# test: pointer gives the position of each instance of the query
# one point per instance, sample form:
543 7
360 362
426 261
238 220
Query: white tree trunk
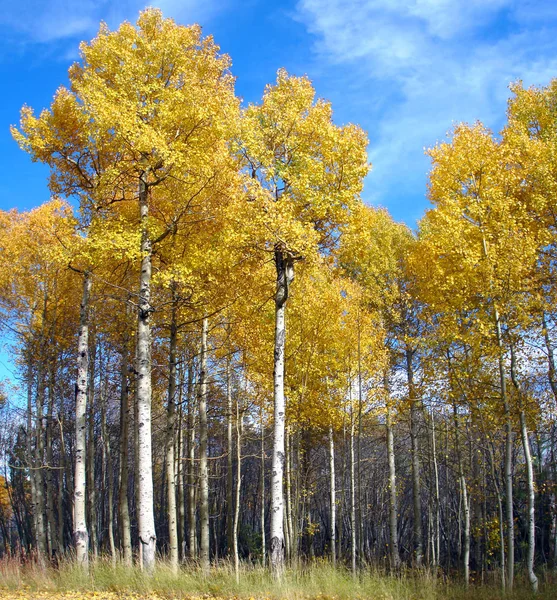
416 485
352 492
146 517
531 504
81 535
192 525
203 467
531 518
31 457
285 275
108 479
333 495
170 440
229 472
393 509
42 538
508 449
123 507
437 501
263 541
91 444
277 468
239 428
465 500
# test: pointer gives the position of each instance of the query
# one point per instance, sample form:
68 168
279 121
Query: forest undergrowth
316 581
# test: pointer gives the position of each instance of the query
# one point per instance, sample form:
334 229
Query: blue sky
404 70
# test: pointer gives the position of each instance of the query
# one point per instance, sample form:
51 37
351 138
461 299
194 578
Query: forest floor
316 582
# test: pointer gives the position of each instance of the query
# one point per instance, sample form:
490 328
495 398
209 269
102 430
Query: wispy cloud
438 62
43 22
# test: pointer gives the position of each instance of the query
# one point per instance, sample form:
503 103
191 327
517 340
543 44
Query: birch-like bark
203 467
551 369
91 489
531 517
416 486
285 274
263 540
333 495
502 559
170 440
81 535
145 507
239 429
229 472
508 452
123 506
359 503
50 486
60 490
192 526
465 500
508 438
352 490
180 470
393 501
553 504
42 538
437 496
290 520
287 498
108 477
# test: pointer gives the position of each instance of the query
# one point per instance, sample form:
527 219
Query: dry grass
318 581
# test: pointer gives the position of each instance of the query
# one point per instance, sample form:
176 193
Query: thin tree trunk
263 540
180 473
285 274
501 518
145 507
91 490
416 487
437 497
108 477
551 370
170 440
50 493
123 506
239 428
42 538
333 495
508 453
60 491
31 459
531 519
393 508
287 513
508 439
81 535
465 501
359 503
291 521
229 472
192 526
203 467
352 490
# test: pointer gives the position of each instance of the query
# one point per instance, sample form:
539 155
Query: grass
315 581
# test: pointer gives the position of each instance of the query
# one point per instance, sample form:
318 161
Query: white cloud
442 61
42 21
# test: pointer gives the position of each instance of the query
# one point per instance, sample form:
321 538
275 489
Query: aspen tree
309 173
123 129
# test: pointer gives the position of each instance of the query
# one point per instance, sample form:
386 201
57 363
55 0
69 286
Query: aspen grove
224 354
